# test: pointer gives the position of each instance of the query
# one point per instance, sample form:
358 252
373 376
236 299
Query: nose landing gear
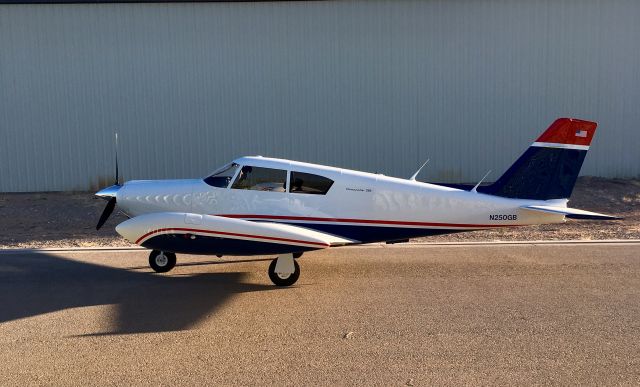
284 270
162 261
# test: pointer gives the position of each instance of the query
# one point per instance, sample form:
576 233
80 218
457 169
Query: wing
210 234
572 213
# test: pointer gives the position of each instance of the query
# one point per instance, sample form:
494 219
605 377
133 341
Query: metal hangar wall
372 85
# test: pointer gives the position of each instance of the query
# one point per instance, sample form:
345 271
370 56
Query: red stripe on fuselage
230 234
365 221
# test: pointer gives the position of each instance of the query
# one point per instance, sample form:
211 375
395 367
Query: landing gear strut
162 261
284 270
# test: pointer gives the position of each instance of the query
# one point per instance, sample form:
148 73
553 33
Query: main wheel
283 279
161 261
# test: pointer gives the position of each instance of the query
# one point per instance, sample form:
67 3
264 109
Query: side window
261 179
306 183
222 177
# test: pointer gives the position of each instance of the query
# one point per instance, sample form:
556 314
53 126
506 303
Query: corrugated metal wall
372 85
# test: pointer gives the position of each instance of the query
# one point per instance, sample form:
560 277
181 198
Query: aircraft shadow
209 263
37 283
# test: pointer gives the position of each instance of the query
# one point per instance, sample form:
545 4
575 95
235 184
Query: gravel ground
55 219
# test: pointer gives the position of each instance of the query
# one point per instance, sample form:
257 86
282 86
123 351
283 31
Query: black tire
161 265
279 281
297 255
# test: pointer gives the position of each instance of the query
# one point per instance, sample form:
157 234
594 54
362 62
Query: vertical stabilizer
550 167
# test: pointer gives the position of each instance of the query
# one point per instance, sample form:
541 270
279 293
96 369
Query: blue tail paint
540 174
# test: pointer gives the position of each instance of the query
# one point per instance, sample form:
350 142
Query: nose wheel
162 261
284 270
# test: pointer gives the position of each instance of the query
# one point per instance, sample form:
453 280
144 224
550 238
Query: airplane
258 205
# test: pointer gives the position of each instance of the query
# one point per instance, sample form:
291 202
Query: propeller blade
117 180
106 213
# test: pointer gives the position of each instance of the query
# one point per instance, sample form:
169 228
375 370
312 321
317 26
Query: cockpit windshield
222 176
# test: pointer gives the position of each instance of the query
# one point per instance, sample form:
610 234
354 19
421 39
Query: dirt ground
56 219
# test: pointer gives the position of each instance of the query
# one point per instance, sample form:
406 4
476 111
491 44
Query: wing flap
331 239
571 213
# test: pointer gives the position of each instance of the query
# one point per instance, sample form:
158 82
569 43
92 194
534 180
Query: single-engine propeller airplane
259 205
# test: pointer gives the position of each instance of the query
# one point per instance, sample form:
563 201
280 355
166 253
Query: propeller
117 181
109 193
111 204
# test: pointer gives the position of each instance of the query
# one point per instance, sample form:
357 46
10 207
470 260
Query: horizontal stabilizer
572 213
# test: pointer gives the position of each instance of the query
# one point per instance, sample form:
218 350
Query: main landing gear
283 271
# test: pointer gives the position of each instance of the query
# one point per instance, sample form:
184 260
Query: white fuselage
355 199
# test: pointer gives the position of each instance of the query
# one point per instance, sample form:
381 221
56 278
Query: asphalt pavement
381 315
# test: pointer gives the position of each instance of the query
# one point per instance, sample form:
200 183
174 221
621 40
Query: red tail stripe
230 234
366 221
569 131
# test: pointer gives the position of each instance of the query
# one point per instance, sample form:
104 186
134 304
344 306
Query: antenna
475 189
117 180
413 177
